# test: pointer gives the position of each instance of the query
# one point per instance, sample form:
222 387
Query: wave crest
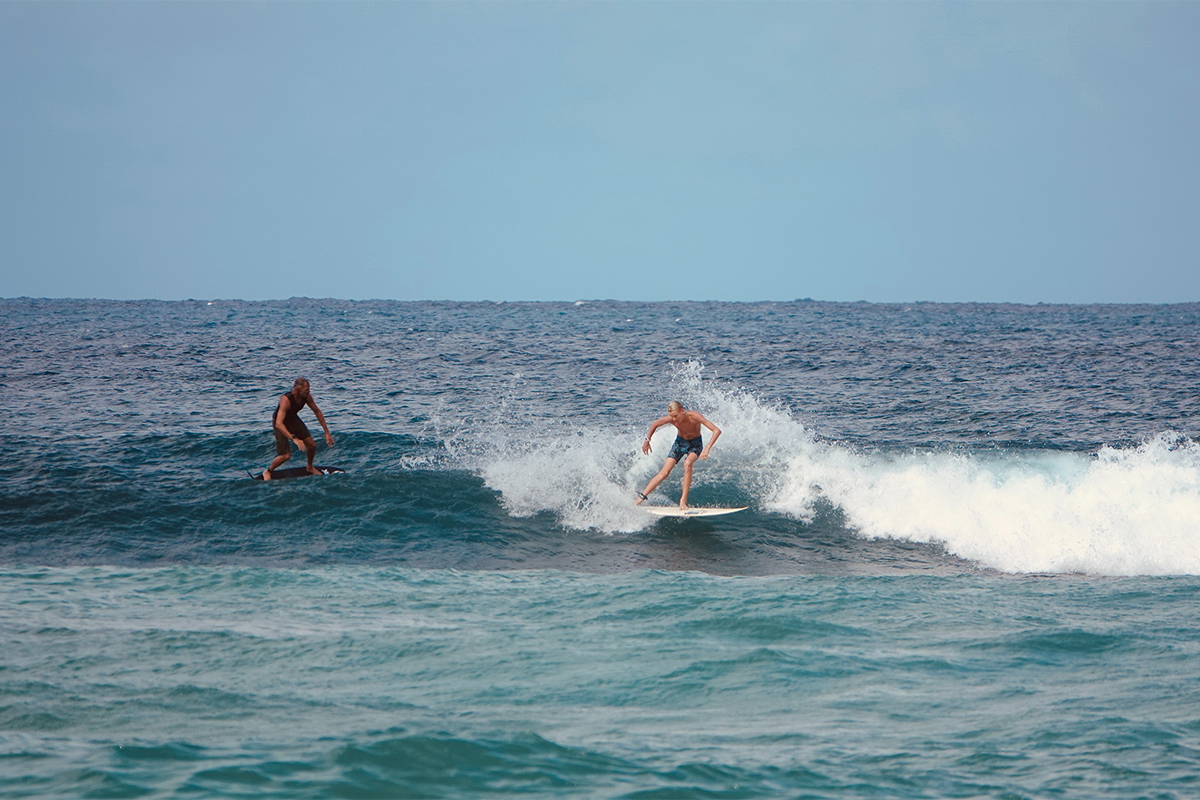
1121 511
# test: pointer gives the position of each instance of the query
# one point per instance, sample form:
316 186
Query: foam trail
580 479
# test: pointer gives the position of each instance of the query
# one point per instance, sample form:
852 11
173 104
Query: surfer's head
300 386
675 409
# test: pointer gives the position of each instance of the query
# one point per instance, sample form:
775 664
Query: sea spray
587 477
1121 511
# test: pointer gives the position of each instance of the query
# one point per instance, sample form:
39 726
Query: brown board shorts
297 428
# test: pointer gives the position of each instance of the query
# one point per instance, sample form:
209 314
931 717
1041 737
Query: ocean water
970 566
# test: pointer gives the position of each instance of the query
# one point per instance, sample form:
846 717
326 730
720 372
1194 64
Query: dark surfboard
296 472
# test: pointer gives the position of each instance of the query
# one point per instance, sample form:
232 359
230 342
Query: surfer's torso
291 417
687 424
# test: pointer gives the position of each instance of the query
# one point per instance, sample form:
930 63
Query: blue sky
1016 152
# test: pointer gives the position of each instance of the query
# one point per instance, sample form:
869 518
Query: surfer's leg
283 451
310 452
656 480
687 478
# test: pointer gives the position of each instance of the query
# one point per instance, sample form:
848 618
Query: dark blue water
968 566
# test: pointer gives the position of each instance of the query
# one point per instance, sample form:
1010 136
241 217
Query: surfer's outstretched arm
321 419
658 423
716 433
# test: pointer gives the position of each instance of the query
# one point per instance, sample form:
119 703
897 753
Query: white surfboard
676 511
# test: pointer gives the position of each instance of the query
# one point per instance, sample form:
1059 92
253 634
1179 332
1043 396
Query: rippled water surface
968 566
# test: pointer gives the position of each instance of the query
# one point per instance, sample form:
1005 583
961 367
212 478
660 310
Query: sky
888 152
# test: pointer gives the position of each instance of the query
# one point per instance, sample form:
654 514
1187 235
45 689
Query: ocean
970 566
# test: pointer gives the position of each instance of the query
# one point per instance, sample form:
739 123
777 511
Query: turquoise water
359 682
970 566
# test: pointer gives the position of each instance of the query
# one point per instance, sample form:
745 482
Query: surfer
288 428
689 446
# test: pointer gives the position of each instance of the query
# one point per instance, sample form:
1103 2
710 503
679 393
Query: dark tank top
293 407
291 419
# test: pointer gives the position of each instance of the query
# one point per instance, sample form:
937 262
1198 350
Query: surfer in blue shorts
290 430
689 446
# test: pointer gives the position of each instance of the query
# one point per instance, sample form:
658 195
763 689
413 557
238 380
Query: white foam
1119 512
1132 511
588 478
580 479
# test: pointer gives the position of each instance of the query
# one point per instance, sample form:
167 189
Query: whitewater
1131 510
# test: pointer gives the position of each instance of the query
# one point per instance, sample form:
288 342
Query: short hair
300 380
675 405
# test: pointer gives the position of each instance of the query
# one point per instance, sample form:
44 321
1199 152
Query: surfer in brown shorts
689 446
288 428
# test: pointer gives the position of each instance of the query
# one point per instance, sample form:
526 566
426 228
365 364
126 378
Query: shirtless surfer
288 428
689 446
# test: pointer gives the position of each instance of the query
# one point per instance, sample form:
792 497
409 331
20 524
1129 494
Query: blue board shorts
684 446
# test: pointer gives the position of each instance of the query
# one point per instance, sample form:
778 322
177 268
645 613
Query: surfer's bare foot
641 499
266 475
313 470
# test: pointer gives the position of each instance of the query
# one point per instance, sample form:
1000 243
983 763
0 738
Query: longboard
676 511
295 472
